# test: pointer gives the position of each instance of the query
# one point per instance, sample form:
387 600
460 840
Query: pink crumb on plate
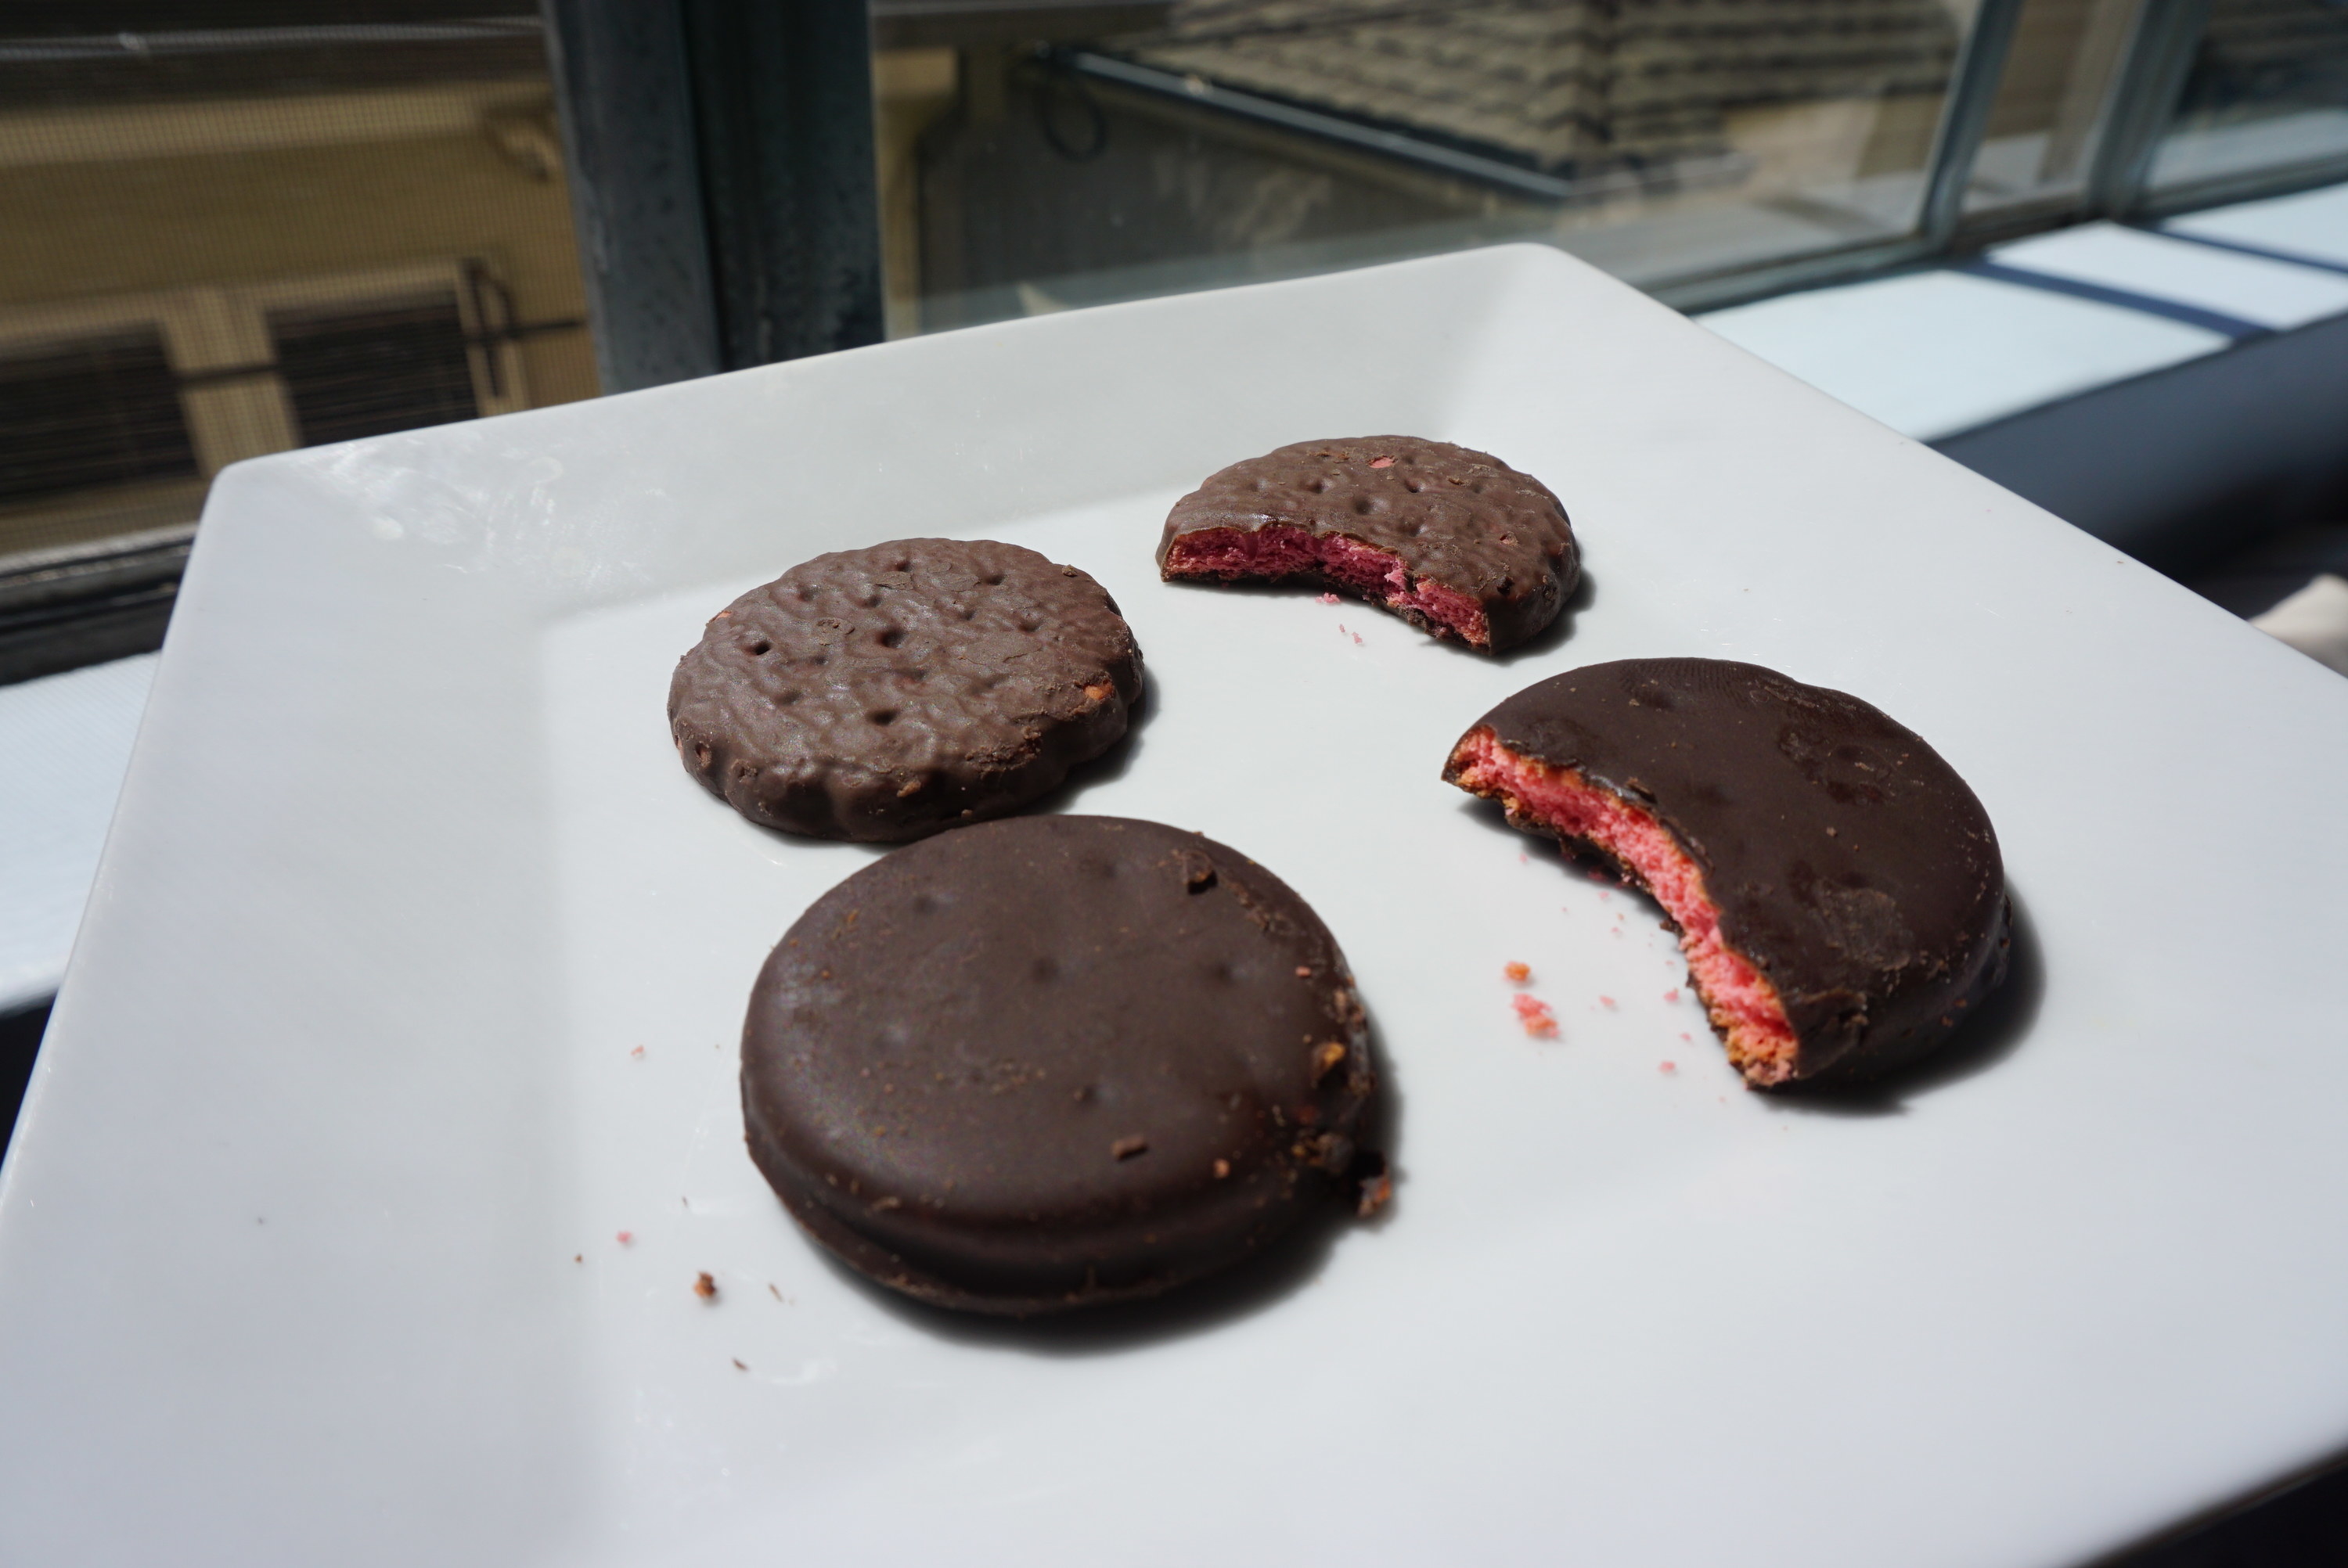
627 1238
1606 1001
1669 1067
1329 599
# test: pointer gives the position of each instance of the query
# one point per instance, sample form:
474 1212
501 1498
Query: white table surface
64 742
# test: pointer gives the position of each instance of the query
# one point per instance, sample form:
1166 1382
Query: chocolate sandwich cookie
1836 887
885 693
1456 542
1055 1062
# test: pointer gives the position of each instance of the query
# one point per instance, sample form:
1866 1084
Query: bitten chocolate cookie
1837 888
1054 1061
885 693
1456 542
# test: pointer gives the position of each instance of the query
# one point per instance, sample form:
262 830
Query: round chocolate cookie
1054 1061
1837 887
885 693
1456 542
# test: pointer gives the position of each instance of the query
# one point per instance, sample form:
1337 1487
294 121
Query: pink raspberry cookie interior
1744 1007
1282 549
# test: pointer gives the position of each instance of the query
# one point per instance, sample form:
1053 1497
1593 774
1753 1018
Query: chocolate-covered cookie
1837 887
1454 541
885 693
1052 1061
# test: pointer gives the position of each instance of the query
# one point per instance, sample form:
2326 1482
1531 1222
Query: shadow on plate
1110 765
1988 1038
1551 638
1292 1262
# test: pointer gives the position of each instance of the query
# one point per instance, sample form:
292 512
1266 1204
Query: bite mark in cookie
1453 541
1837 887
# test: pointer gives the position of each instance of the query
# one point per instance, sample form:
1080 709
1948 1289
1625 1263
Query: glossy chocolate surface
1460 518
1055 1060
888 693
1848 862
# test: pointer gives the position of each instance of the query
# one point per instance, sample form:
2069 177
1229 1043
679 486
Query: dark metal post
784 100
722 180
1973 92
2159 57
621 79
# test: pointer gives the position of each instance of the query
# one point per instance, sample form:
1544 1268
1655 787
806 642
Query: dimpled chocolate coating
1849 864
885 693
1051 1061
1461 520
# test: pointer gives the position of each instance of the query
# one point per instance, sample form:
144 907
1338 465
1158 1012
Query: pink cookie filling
1283 549
1743 1005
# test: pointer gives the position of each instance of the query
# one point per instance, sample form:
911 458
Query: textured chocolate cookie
1456 542
885 693
1837 887
1054 1061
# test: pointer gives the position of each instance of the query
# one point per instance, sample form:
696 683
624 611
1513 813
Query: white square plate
309 1243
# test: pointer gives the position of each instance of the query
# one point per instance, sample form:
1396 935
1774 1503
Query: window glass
277 230
2047 118
1204 141
2269 90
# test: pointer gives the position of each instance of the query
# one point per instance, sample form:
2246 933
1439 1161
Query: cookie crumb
627 1238
705 1287
1327 1058
772 1291
1606 1002
1330 599
738 1366
1672 996
638 1053
1669 1067
579 1257
1518 973
1127 1148
1534 1015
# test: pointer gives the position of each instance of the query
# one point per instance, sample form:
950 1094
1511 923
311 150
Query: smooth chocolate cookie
885 693
1837 887
1052 1061
1454 541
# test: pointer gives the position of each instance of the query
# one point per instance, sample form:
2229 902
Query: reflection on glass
2048 113
233 241
2269 90
1237 138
